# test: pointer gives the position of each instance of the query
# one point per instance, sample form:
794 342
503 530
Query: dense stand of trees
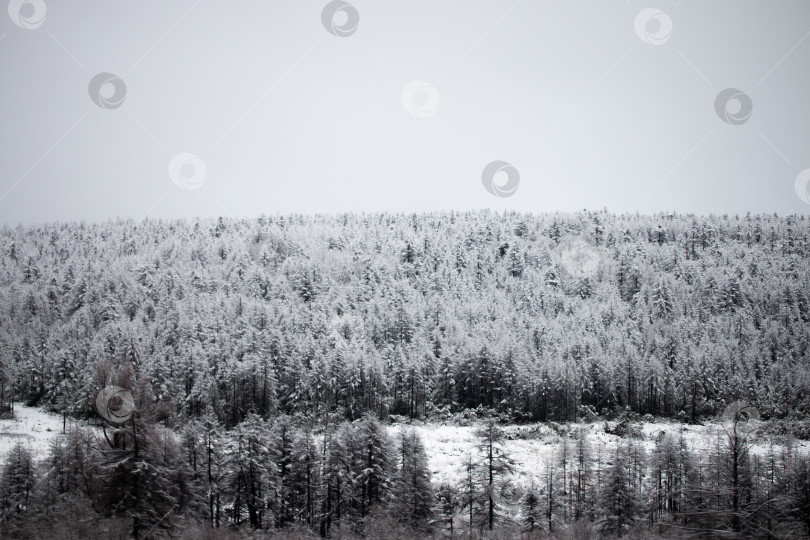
717 489
549 317
141 480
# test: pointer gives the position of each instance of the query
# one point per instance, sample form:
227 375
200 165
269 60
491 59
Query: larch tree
414 500
495 465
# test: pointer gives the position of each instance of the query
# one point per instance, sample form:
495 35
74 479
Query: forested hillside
538 317
257 358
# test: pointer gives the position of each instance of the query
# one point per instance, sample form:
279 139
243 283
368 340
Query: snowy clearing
33 427
447 447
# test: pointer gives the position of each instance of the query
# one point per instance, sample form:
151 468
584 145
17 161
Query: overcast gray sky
266 107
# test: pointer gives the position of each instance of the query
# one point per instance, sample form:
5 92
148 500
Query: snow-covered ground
447 447
32 426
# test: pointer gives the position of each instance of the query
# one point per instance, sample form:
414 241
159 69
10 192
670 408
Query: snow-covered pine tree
532 511
144 476
495 464
618 502
372 466
305 476
251 473
582 484
414 496
16 481
282 440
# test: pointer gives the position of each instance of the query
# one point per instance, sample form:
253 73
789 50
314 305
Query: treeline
537 317
352 480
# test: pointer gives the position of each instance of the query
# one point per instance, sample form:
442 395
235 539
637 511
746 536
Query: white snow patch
447 447
33 427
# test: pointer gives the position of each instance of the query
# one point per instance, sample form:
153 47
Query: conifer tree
619 505
531 510
495 465
448 497
372 467
17 481
414 496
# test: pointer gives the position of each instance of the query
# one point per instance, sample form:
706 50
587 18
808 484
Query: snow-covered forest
266 357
